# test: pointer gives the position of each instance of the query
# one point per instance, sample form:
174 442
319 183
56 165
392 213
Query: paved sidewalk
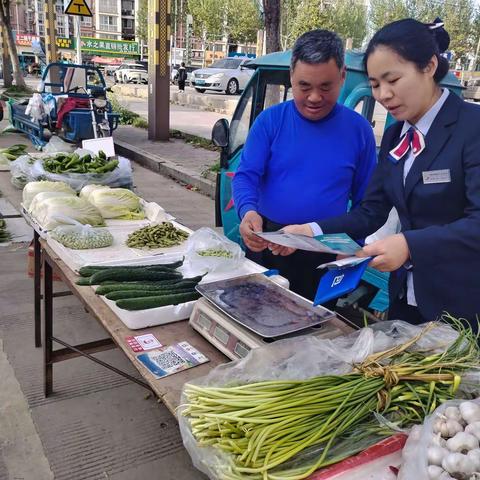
175 158
96 425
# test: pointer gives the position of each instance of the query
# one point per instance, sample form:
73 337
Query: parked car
131 73
110 69
174 75
226 75
472 92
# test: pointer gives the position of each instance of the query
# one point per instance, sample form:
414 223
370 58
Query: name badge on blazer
436 176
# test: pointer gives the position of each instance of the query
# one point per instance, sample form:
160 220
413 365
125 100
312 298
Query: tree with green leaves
6 25
458 15
239 20
386 11
141 26
348 18
208 17
243 21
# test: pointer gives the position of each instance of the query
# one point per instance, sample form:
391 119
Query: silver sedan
226 75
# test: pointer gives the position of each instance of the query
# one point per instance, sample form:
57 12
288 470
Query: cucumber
128 275
120 294
84 281
152 287
144 303
91 269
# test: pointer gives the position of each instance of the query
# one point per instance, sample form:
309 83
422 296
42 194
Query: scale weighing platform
239 314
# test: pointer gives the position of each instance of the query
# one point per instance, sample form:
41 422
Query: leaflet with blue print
169 360
334 243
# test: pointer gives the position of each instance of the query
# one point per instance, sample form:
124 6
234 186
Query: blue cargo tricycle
73 105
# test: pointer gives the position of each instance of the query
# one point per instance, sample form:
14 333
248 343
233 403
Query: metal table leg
37 288
48 328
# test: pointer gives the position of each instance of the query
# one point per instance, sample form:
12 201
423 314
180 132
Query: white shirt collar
424 124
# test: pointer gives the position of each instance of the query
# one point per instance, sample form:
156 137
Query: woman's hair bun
440 34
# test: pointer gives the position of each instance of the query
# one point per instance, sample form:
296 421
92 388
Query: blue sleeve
367 162
255 156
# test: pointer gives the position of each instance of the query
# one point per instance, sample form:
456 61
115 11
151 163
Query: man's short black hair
318 46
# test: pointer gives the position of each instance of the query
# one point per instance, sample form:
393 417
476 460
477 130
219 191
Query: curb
198 101
166 167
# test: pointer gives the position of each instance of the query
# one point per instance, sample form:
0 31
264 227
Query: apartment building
115 19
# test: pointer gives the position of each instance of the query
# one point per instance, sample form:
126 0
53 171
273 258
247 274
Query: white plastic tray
173 313
118 253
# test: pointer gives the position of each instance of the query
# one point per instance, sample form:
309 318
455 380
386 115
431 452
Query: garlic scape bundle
264 427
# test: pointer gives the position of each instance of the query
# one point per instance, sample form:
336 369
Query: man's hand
252 222
299 229
390 253
296 229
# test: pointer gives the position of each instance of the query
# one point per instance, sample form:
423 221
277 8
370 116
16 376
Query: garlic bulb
434 472
470 411
462 442
438 441
473 429
458 465
453 413
453 427
435 455
474 456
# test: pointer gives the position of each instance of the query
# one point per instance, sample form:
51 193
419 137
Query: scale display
262 306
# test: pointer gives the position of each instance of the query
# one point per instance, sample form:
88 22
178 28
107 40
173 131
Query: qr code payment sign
172 359
168 360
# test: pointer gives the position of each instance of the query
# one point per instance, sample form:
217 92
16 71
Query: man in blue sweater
303 160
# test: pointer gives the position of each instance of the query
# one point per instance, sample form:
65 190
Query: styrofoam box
173 313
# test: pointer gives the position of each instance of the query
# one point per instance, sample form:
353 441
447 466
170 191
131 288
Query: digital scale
242 313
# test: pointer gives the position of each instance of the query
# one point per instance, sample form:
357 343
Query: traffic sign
77 7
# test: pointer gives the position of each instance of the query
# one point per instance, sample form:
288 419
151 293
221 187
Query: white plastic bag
57 145
80 237
414 454
209 251
55 211
303 357
21 170
120 177
35 108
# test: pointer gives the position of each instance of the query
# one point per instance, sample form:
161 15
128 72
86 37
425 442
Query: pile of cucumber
141 287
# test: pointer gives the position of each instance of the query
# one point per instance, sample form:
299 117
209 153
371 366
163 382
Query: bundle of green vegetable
13 152
156 236
74 163
266 424
141 287
4 235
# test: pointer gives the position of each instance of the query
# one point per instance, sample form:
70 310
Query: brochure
344 262
336 244
339 281
169 360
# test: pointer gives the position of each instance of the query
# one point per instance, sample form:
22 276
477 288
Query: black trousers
181 84
300 268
